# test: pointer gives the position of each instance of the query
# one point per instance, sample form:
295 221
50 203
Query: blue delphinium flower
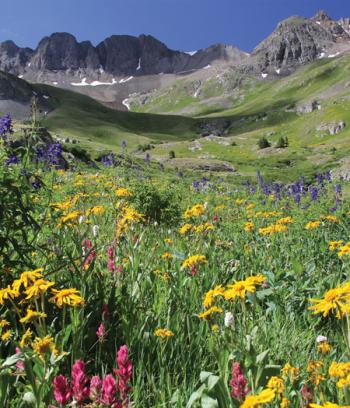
6 126
12 159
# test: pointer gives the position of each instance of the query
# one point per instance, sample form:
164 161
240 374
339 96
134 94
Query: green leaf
208 402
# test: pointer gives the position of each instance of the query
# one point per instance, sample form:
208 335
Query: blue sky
181 24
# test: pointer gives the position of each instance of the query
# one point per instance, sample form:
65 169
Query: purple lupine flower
314 194
12 159
123 144
6 126
327 176
297 198
108 160
319 178
147 158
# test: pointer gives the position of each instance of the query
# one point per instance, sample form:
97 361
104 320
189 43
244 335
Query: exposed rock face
116 55
297 41
332 128
61 51
309 107
12 58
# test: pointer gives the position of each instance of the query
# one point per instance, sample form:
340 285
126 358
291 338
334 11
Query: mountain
297 41
118 55
126 72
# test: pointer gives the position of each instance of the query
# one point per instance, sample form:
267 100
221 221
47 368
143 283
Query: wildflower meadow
123 285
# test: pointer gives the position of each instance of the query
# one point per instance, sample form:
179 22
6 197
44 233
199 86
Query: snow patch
322 55
264 75
195 95
122 81
139 65
333 55
20 76
277 71
29 64
191 53
55 83
100 70
318 22
82 83
126 104
93 83
46 97
207 67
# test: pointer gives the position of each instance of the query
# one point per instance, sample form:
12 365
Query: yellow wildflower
193 261
43 345
167 255
209 297
312 225
31 316
285 403
249 226
254 401
240 288
69 297
290 371
185 229
26 336
6 335
195 211
336 300
6 294
204 227
276 384
38 288
123 192
4 323
214 328
324 347
209 312
163 333
333 245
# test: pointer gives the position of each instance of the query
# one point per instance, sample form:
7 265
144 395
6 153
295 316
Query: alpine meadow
174 226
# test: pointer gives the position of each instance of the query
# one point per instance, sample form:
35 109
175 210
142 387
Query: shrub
157 204
263 143
171 154
282 142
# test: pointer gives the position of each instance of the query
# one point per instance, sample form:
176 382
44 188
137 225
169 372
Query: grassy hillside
258 108
97 126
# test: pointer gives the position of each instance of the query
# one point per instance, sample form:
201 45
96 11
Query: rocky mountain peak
321 15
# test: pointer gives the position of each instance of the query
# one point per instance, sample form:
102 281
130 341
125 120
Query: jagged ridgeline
208 107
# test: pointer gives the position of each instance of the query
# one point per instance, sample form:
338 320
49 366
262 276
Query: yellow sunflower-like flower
123 192
335 300
163 333
69 297
240 288
43 345
312 225
185 229
38 288
25 338
210 296
333 245
31 316
6 335
209 312
290 371
196 211
249 226
276 384
193 261
7 294
254 401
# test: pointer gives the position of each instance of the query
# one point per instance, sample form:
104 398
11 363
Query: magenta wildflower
238 383
101 332
95 388
62 390
109 390
124 373
80 381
